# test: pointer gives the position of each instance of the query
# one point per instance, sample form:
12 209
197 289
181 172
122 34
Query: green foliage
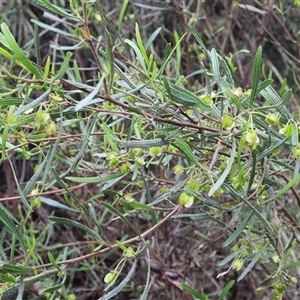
100 143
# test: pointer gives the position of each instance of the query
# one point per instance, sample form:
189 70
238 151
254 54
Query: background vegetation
149 149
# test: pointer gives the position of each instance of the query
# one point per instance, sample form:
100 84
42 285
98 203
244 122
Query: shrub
129 147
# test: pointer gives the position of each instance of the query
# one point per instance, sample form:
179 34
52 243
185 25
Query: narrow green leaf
138 53
13 225
293 265
10 101
110 133
256 75
12 269
222 178
32 103
186 150
26 282
90 97
8 279
37 45
208 201
86 140
238 231
97 179
199 40
51 153
187 98
121 15
75 224
228 258
120 287
267 225
51 28
167 59
250 266
65 65
264 85
77 71
274 99
144 143
55 203
19 54
116 212
284 189
52 261
253 172
111 182
147 286
4 140
152 38
226 289
141 45
47 68
287 95
230 76
140 206
53 8
22 195
216 67
270 150
55 287
193 292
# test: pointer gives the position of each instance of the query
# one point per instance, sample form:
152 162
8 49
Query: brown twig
176 210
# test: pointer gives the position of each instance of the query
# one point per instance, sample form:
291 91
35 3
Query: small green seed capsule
50 128
228 122
178 169
237 264
272 119
186 200
155 151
